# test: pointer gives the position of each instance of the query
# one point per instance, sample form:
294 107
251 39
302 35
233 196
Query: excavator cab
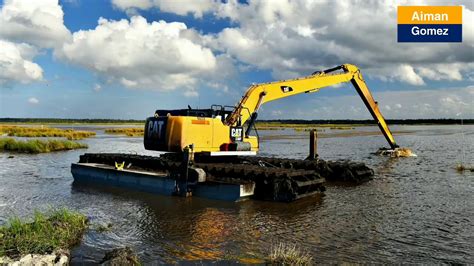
205 129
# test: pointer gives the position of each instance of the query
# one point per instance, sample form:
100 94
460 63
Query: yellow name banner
430 15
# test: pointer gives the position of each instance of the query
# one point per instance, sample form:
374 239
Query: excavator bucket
397 152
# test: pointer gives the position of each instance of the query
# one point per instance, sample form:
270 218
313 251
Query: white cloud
181 7
125 4
35 22
26 26
16 64
138 54
444 71
407 74
294 38
290 38
471 89
33 100
276 113
305 31
97 87
191 93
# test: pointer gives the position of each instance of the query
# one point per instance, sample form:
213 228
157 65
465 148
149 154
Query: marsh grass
461 168
121 256
101 228
288 254
38 146
19 131
127 131
47 232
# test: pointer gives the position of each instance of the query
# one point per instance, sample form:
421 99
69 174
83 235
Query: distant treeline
286 121
371 121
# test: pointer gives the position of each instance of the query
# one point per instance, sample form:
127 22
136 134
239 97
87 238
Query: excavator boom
259 94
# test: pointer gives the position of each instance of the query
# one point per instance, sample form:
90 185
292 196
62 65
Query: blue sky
58 60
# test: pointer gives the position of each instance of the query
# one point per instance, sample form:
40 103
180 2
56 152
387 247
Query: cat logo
236 133
155 129
286 89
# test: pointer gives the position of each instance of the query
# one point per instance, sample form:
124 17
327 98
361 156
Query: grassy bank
127 131
44 234
42 121
38 146
19 131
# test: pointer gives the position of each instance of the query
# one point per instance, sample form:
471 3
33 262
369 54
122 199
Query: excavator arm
259 94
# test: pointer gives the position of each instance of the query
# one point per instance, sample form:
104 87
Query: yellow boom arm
259 94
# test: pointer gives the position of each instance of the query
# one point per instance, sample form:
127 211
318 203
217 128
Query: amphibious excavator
211 150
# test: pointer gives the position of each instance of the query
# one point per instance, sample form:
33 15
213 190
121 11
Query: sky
124 59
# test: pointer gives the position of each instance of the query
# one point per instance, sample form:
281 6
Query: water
416 210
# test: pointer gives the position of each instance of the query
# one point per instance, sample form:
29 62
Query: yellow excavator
226 130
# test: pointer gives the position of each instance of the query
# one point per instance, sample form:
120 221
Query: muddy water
416 210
